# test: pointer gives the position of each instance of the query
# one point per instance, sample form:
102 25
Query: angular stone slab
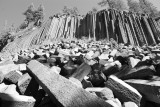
23 82
56 69
110 69
75 81
61 90
123 91
105 92
86 84
136 73
149 88
13 76
5 69
83 70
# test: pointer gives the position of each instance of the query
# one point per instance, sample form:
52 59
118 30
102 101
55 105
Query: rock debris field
79 73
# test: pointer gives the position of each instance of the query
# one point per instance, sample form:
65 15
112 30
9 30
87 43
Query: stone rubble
80 73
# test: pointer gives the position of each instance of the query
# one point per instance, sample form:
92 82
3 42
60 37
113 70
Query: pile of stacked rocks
72 73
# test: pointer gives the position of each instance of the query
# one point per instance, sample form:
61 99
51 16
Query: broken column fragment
123 91
13 76
61 90
83 70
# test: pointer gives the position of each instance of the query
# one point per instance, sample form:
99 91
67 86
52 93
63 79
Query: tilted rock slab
23 83
123 91
83 70
61 90
150 88
136 73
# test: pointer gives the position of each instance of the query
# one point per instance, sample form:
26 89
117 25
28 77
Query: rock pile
81 74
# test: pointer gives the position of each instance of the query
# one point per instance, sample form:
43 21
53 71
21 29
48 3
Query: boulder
137 73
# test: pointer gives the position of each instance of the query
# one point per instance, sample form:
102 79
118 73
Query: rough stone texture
123 91
13 76
5 69
83 70
133 61
136 73
61 90
23 82
69 68
149 88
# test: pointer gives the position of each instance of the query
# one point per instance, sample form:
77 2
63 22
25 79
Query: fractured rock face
136 73
61 90
150 88
13 76
123 91
83 70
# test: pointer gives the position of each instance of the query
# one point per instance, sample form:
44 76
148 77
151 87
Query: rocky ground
72 73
